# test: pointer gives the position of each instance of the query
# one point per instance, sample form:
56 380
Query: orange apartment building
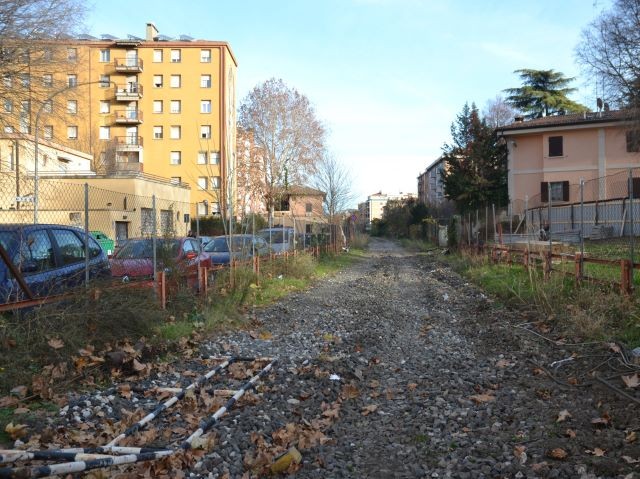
549 156
155 105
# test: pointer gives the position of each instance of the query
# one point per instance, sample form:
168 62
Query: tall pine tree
476 173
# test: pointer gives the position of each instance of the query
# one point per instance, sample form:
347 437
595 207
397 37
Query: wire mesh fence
58 234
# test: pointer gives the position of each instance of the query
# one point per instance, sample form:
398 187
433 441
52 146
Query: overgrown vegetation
592 311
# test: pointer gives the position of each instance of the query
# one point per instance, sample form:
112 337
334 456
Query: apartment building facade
157 105
431 183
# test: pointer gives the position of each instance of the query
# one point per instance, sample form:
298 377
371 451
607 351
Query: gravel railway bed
402 369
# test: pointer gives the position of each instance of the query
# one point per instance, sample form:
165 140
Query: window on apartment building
205 81
72 80
72 132
157 106
157 81
157 132
201 159
105 81
308 208
25 79
176 157
205 106
205 131
202 209
633 141
47 132
176 56
47 106
8 105
202 182
25 107
47 54
72 54
105 106
105 56
558 190
72 107
8 81
47 80
214 157
105 133
175 132
8 129
157 56
24 126
176 106
176 180
555 146
215 182
175 81
205 56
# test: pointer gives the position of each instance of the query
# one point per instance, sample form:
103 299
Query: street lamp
35 136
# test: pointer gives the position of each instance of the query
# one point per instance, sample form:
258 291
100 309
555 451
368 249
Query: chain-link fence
597 219
58 232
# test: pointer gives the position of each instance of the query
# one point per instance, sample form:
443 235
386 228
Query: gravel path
398 368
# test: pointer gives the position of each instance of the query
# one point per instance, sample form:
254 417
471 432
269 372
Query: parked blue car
51 259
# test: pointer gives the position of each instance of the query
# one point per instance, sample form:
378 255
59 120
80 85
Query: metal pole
153 236
549 212
86 235
581 223
631 225
526 221
486 224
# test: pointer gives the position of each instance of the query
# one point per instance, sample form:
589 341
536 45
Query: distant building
431 183
374 206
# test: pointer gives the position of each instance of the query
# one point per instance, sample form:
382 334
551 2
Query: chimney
152 32
518 119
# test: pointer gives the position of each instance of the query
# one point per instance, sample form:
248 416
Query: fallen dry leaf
19 391
16 431
482 398
631 437
369 409
573 381
503 363
539 466
520 454
605 420
632 381
124 390
56 343
630 460
570 433
412 386
613 347
596 452
563 415
350 391
21 410
558 453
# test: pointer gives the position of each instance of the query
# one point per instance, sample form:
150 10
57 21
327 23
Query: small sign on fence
24 199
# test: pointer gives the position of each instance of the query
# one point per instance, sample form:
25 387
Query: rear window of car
273 236
143 249
217 245
8 240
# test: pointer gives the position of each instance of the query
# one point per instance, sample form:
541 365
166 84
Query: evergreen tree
543 93
476 173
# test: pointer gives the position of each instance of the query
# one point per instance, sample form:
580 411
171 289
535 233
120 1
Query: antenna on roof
599 103
86 36
106 36
186 38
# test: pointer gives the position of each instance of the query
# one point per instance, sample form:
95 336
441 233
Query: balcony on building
128 162
128 65
128 143
129 92
128 117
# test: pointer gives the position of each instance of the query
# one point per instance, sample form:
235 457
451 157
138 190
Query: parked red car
134 260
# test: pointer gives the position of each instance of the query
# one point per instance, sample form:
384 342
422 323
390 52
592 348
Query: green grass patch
592 311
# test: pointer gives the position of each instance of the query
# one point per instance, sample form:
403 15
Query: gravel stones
415 373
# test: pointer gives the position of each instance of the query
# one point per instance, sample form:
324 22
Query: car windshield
143 248
272 236
221 244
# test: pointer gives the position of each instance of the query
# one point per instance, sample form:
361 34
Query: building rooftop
569 120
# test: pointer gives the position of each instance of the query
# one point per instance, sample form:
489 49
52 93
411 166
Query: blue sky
387 77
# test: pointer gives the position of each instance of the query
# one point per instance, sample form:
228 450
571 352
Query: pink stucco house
549 156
